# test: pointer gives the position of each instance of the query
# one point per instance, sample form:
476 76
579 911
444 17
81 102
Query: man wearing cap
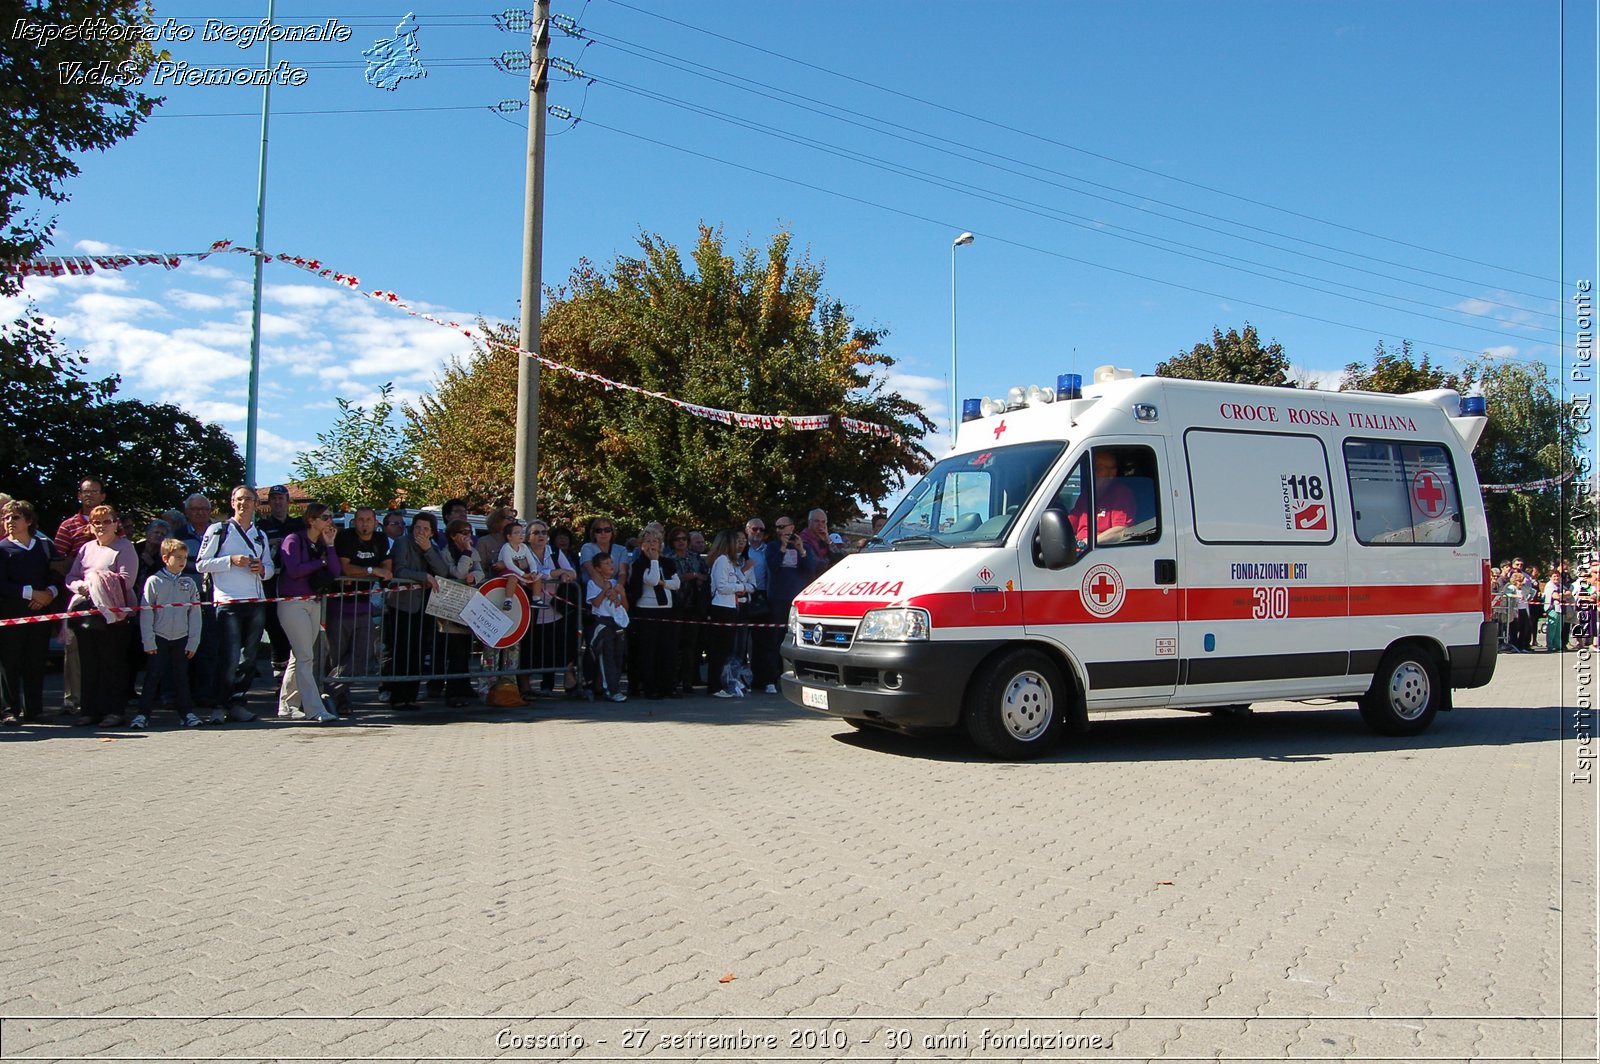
277 524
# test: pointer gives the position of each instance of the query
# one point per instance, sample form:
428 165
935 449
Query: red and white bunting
58 266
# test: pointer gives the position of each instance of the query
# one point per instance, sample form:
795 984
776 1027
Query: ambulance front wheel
1017 706
1405 693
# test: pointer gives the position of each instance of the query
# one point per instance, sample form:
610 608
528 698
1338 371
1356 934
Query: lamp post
955 402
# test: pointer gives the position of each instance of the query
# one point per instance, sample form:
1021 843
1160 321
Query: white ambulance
1164 543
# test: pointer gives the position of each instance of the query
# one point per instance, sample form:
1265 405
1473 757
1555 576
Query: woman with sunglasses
310 567
552 639
101 579
464 568
602 539
28 585
405 628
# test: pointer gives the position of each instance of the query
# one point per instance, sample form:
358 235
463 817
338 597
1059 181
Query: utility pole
527 466
252 413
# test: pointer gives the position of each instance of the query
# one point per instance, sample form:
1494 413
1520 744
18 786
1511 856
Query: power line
943 224
1084 151
1044 211
701 70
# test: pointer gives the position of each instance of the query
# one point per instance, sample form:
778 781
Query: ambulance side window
1403 493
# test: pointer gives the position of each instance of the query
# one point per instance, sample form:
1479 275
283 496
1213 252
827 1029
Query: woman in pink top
101 578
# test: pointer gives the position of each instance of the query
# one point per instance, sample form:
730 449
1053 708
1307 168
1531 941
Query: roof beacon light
1474 406
971 410
1069 386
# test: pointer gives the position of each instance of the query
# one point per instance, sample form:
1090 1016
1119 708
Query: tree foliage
64 426
1235 357
362 460
749 331
464 435
53 116
1397 373
1528 438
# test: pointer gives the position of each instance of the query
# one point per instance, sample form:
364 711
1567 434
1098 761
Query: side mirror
1058 547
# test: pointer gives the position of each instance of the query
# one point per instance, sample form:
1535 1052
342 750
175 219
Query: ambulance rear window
1403 493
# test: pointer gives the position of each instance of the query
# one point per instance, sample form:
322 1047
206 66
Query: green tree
464 434
1397 373
749 331
1234 357
64 426
363 459
1528 438
55 116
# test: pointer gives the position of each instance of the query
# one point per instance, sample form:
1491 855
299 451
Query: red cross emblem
998 429
1427 493
1102 590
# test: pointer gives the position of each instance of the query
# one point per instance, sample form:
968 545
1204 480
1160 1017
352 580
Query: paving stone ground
500 884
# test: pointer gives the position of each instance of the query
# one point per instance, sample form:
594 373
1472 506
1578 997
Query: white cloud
196 300
303 295
96 247
1503 351
113 308
1475 306
1325 379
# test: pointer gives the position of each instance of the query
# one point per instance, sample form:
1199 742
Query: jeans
241 624
170 666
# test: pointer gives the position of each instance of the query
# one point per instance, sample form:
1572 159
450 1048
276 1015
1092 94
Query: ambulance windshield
969 500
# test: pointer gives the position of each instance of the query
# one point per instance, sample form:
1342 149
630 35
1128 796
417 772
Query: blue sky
1373 170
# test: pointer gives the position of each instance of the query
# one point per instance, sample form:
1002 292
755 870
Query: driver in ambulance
1113 504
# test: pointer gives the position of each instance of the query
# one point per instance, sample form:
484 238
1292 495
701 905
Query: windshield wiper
920 539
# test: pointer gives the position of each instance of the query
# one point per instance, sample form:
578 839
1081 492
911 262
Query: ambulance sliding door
1115 610
1265 599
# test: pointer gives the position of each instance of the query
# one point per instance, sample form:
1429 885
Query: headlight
897 625
794 624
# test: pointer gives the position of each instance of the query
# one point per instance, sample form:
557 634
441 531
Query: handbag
757 606
320 581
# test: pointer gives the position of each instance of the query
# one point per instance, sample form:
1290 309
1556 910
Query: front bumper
932 680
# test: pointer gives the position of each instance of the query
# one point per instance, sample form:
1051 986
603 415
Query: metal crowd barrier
384 639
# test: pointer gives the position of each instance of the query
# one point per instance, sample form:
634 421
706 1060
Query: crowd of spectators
661 616
1559 608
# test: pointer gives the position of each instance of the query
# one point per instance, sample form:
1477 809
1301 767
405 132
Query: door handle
1166 570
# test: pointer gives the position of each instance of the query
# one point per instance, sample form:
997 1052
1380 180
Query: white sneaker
619 697
771 689
138 722
217 717
724 694
190 721
293 714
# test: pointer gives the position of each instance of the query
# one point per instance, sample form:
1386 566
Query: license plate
814 698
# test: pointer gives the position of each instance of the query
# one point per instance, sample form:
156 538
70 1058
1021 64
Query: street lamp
955 403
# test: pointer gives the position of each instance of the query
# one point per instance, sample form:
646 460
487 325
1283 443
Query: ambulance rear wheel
1405 693
1017 706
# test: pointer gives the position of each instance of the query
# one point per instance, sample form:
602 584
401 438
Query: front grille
806 671
827 635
